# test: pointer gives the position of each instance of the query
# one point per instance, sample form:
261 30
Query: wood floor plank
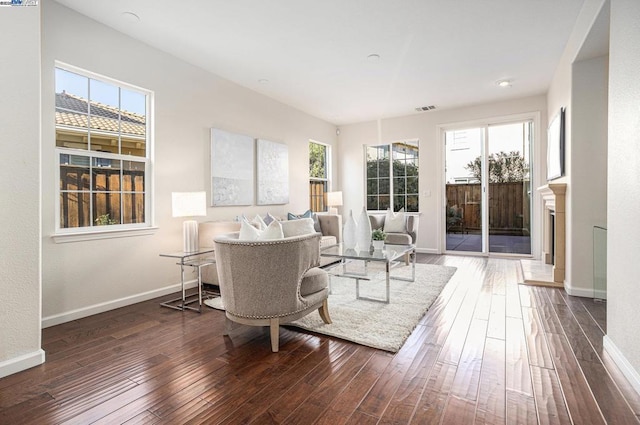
344 406
491 406
521 408
537 347
431 405
459 411
581 404
467 379
518 375
496 326
552 409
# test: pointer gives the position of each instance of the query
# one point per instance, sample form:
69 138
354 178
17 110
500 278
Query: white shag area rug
375 324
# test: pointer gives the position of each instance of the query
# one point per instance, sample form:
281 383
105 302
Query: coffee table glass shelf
390 255
196 260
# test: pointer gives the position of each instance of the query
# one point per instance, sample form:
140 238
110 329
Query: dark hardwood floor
489 351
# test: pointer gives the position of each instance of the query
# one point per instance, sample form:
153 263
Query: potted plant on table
378 236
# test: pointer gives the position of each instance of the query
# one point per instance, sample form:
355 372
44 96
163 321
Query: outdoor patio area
497 243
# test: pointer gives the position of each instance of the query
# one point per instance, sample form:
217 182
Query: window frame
93 231
389 146
326 180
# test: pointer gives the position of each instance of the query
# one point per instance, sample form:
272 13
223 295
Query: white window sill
103 234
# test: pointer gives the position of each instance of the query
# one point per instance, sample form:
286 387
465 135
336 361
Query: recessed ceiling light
130 17
374 57
504 83
263 81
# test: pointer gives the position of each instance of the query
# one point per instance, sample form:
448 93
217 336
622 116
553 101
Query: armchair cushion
299 227
395 222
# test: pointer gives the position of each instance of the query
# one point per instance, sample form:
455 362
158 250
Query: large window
392 176
318 176
102 150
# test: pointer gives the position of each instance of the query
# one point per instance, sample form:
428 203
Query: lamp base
333 210
190 236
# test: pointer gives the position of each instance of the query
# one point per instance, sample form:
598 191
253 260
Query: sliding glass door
488 189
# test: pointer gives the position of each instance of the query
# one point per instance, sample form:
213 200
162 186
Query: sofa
331 234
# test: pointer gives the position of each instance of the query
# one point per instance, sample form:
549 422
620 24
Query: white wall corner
621 361
578 292
24 362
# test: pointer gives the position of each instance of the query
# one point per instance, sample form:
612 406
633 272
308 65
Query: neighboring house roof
71 110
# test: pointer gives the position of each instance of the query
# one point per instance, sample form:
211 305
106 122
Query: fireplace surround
554 226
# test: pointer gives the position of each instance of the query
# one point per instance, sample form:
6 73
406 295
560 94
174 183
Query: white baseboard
427 251
20 363
621 361
111 305
578 292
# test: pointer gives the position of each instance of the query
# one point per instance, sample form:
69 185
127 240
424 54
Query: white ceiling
447 53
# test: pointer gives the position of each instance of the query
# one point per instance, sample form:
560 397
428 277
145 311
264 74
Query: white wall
588 160
425 127
623 238
20 212
579 198
82 278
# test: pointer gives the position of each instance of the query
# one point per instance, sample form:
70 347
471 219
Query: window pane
133 208
383 168
412 185
74 209
74 172
399 202
106 174
133 119
104 114
412 167
383 187
399 185
412 203
72 91
317 161
384 201
398 151
372 203
133 176
372 186
106 208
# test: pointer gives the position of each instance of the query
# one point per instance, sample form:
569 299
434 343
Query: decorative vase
350 232
378 245
364 231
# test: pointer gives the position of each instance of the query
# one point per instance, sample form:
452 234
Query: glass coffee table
390 255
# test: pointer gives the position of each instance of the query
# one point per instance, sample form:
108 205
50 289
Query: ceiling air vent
425 108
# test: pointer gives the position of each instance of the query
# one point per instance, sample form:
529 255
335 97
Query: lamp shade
188 204
334 199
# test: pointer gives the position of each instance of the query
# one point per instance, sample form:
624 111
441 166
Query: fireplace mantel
553 198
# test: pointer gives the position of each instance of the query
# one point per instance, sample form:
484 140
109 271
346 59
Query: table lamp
334 199
189 204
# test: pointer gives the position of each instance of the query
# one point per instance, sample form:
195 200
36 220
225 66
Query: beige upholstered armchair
408 236
271 282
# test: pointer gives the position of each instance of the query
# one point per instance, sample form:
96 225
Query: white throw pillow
395 222
248 232
272 231
302 226
259 223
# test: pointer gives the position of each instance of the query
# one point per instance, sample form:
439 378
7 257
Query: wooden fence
317 195
509 206
107 194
